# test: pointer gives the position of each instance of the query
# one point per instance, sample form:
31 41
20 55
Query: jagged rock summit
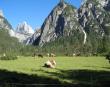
86 27
62 21
24 28
23 31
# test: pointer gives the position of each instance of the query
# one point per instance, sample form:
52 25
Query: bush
8 57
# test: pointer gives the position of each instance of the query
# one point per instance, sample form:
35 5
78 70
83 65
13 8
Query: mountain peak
1 13
24 22
101 2
61 1
24 28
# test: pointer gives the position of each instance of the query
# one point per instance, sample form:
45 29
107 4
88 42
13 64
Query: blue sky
32 11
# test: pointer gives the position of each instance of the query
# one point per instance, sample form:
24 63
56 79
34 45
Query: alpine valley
69 30
70 49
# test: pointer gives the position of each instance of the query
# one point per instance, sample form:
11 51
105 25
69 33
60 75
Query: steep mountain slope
4 24
61 22
31 40
94 17
83 30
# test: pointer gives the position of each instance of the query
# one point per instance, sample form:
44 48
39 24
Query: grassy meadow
69 70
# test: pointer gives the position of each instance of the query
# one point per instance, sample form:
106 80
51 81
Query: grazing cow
40 55
94 54
78 54
50 64
108 57
4 55
48 55
74 54
66 54
52 55
34 54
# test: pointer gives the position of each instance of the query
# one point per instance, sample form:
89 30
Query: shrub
8 57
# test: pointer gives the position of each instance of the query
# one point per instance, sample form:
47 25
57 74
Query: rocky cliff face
4 24
32 40
88 26
62 21
94 17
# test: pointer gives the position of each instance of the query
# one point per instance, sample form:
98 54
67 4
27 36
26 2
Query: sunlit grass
31 65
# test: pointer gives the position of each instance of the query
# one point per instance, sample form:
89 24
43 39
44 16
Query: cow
95 54
48 55
34 54
74 54
50 64
37 55
108 57
40 55
52 55
4 55
78 54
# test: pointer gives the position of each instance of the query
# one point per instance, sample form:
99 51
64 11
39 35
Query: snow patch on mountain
23 31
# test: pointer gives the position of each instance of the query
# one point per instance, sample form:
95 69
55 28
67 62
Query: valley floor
79 71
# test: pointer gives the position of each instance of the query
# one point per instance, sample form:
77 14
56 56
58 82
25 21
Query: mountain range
86 29
22 32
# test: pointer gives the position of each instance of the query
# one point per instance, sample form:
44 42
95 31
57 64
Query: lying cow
50 64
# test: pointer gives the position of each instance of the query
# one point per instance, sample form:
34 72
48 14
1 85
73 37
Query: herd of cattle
51 63
41 55
53 55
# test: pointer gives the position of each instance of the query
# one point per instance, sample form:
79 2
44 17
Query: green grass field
72 70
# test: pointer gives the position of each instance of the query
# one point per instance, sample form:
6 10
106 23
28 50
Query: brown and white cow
50 63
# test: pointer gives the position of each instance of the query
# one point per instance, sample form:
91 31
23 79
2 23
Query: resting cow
50 64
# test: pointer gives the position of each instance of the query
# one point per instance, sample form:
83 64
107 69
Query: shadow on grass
14 79
83 78
99 67
106 67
